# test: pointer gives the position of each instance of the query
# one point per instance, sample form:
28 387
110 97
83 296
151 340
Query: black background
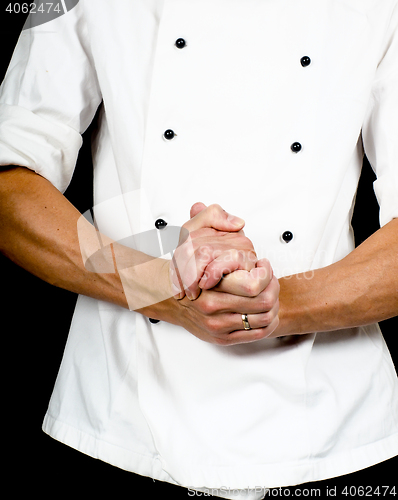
35 322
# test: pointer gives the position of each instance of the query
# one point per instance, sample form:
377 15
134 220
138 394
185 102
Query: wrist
293 314
166 308
146 284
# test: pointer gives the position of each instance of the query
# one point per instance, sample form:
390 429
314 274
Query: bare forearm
360 289
38 231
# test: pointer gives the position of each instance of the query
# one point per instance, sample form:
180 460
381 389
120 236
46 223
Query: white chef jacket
152 398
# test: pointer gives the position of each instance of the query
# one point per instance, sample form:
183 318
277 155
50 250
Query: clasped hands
216 277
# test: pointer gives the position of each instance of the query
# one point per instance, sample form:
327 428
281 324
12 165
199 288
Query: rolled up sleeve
48 98
380 129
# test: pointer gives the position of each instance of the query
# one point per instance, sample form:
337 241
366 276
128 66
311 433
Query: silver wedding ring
245 322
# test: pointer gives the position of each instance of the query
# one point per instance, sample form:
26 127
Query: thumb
215 217
196 208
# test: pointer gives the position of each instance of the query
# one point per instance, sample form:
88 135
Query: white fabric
153 399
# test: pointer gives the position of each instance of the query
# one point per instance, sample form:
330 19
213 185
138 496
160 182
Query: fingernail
235 221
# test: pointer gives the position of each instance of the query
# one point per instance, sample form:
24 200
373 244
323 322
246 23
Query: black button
305 61
296 147
180 43
169 134
160 224
154 321
287 236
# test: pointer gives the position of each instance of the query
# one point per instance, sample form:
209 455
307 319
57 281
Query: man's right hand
216 316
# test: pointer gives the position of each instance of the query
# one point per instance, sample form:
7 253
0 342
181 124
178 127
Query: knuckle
270 297
265 263
250 289
265 270
251 255
214 209
212 325
247 240
254 288
267 318
275 285
209 306
270 329
267 301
